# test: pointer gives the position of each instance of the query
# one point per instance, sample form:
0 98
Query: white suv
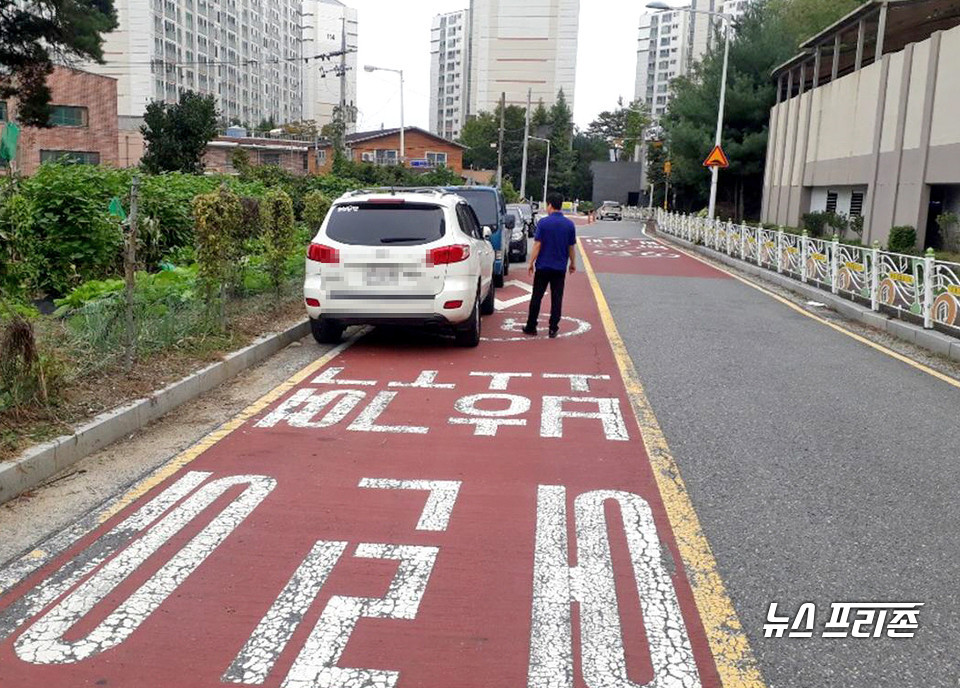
399 256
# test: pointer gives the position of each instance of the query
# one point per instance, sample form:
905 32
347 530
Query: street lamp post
725 19
546 173
371 68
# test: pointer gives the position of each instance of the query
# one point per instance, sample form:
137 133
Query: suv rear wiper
396 240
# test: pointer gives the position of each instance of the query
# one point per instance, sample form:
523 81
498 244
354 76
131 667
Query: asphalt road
404 512
822 470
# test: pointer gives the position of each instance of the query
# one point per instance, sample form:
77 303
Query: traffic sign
419 163
717 158
667 168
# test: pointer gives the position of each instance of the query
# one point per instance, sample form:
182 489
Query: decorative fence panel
919 286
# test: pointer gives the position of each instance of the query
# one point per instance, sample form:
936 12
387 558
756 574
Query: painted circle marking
516 325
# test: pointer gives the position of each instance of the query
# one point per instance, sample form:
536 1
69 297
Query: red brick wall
292 154
74 87
416 147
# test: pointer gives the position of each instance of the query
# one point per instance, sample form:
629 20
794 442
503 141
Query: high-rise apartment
246 53
329 26
670 42
449 66
516 45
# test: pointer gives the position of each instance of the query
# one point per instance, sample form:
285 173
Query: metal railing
918 287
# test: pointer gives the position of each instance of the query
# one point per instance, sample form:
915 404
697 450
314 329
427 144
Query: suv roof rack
402 189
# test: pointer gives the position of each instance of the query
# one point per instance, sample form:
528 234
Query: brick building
83 122
423 150
292 155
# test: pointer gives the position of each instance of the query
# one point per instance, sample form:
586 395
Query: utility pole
526 142
503 108
343 72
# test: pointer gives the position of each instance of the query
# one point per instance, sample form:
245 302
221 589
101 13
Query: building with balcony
329 26
449 67
246 53
519 46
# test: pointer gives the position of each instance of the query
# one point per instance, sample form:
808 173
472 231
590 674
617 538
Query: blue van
491 209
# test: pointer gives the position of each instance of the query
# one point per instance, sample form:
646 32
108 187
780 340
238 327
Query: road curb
38 464
937 342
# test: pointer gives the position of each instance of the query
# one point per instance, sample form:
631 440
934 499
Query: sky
396 34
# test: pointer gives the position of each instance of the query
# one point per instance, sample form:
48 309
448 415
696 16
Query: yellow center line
823 321
728 642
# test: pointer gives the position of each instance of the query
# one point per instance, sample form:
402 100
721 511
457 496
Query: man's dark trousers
541 279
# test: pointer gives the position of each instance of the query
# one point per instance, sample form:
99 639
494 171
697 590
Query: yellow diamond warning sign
717 158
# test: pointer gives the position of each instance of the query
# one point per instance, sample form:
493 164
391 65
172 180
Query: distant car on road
518 238
386 256
610 210
527 214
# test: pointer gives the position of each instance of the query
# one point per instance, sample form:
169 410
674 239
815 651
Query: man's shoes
553 333
528 331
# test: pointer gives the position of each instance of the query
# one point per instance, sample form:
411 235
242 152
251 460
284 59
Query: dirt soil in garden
86 396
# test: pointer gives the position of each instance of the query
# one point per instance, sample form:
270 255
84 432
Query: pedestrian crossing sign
717 158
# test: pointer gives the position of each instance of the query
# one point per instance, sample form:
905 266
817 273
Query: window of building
3 111
68 116
856 204
831 201
436 159
70 157
269 158
385 156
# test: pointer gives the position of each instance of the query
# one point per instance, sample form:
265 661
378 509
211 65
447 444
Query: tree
305 129
30 32
562 157
477 135
588 148
177 135
765 36
621 128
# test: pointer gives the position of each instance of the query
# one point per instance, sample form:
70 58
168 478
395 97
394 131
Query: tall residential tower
325 81
449 66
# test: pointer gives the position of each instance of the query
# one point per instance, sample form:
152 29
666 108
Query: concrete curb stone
39 463
932 340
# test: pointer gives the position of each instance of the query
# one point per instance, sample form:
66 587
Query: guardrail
920 287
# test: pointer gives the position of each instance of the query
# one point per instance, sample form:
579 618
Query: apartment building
246 53
516 45
449 67
324 24
670 43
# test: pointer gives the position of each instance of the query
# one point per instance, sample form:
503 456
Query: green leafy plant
949 224
856 226
217 218
316 205
276 220
817 221
903 239
177 134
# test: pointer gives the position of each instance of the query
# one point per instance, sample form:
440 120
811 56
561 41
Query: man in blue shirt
552 252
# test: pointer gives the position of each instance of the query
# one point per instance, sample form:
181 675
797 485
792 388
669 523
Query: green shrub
903 239
316 205
217 218
78 239
817 221
276 220
21 258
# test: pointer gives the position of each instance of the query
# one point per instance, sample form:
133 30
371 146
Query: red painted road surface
413 514
643 256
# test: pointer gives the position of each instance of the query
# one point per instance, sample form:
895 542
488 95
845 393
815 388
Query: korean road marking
515 325
516 301
728 643
439 506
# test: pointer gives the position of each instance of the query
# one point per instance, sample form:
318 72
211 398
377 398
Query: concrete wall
614 181
890 127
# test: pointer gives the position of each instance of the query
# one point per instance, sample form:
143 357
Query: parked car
487 202
400 257
518 235
610 210
526 212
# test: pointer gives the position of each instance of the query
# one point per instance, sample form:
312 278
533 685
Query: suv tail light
448 254
323 254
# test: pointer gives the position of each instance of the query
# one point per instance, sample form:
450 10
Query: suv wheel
489 304
468 335
326 331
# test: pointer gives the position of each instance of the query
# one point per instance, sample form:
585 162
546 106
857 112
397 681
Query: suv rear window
386 224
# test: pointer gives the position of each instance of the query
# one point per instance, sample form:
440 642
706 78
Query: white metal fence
918 286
